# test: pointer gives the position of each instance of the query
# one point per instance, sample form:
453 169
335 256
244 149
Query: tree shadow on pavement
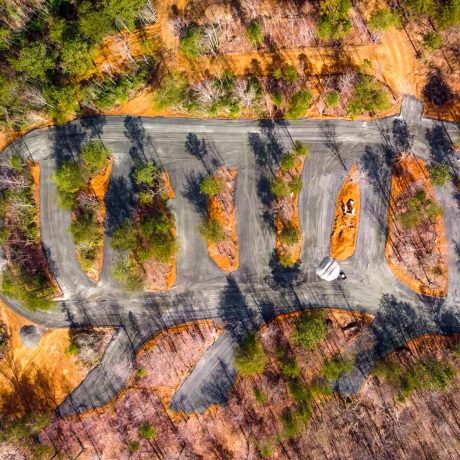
67 141
191 191
94 125
402 139
234 311
266 156
440 144
378 171
283 277
329 132
199 150
135 132
120 202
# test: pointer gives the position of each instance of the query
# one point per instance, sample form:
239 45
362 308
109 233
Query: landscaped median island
286 188
416 246
81 187
147 241
25 274
346 222
219 228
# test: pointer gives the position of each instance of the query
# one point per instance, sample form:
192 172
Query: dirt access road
259 289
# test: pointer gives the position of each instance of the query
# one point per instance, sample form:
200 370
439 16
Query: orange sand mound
345 229
39 378
288 214
222 207
410 174
161 276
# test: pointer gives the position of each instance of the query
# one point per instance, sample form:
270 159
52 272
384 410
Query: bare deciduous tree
148 14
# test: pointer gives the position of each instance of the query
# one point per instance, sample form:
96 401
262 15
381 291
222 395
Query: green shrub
260 396
254 32
34 291
290 368
62 101
432 40
384 19
287 72
299 391
125 237
173 91
300 149
279 188
147 431
296 185
426 374
141 373
288 162
332 99
432 210
72 349
158 238
266 450
439 174
69 179
212 230
289 235
133 446
77 57
298 104
368 96
84 229
146 174
334 21
286 260
94 155
190 43
410 219
292 424
128 273
277 99
337 366
211 185
310 329
23 428
250 358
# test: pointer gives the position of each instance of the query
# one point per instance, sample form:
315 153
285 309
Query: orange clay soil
222 208
345 229
417 257
35 379
161 276
99 186
35 173
287 213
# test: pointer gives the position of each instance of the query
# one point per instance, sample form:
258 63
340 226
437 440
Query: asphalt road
258 290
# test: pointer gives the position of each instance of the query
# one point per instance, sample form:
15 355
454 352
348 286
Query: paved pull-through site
259 289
